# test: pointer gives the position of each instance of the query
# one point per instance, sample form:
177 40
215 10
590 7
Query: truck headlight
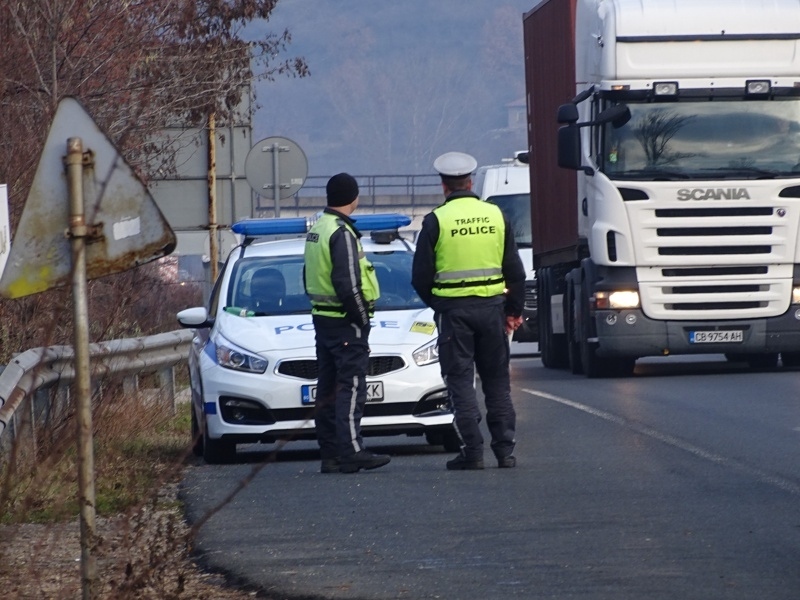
618 300
231 357
796 295
427 354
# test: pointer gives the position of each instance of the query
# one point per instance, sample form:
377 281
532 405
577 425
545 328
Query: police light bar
381 222
253 227
283 226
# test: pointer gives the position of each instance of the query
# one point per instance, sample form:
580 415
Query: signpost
5 235
276 165
86 215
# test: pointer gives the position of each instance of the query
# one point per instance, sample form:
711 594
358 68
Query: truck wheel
552 346
595 366
790 359
573 346
762 361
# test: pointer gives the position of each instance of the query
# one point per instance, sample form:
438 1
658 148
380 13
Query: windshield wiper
650 173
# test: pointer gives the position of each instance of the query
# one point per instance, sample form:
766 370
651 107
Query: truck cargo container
664 142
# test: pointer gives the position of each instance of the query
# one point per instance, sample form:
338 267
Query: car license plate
374 392
716 337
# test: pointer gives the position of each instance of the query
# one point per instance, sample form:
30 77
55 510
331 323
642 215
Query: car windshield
517 209
731 139
273 285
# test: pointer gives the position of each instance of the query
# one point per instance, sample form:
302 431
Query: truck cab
679 232
508 186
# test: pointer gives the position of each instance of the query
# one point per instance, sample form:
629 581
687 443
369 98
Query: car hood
390 329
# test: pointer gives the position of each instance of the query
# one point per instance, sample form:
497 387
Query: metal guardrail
42 368
412 193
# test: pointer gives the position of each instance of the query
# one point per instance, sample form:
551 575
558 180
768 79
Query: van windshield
517 209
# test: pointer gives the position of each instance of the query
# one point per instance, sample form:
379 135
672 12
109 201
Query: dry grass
143 546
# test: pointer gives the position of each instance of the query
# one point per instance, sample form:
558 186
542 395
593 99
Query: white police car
253 364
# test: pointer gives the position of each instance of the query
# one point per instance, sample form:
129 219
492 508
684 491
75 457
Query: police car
253 364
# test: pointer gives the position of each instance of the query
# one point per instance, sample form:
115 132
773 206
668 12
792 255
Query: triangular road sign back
132 229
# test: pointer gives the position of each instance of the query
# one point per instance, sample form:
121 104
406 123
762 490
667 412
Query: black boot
363 459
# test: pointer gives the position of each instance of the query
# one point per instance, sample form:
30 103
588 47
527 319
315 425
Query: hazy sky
395 83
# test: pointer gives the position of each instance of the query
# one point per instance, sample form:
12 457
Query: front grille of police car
307 369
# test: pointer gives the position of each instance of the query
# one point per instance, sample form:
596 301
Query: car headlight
231 357
427 354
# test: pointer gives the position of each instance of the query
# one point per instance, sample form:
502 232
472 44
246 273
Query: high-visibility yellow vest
469 252
319 266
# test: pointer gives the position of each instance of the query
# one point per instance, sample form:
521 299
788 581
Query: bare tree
137 66
654 131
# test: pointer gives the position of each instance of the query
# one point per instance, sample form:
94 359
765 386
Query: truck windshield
703 140
517 209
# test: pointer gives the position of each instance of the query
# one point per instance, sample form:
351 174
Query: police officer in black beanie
343 288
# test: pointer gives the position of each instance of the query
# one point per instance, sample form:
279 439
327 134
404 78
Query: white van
508 186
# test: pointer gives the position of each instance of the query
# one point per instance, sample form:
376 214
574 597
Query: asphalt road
682 482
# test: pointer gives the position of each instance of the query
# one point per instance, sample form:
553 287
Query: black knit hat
342 189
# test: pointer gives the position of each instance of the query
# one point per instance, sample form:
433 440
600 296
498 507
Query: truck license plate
308 393
716 337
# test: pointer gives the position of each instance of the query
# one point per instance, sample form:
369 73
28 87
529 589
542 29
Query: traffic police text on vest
469 251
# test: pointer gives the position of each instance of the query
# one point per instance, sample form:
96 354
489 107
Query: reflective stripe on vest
469 251
319 267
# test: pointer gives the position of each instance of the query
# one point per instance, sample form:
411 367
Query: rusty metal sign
125 226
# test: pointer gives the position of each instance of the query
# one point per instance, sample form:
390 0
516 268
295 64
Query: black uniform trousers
342 361
473 337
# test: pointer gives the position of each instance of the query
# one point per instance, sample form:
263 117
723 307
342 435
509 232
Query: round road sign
276 161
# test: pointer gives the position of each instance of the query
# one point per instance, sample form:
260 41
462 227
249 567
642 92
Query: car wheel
451 441
448 439
218 452
197 439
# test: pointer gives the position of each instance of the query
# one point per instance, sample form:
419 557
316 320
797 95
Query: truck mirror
568 113
569 147
618 115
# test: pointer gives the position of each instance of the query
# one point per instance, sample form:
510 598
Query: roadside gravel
146 555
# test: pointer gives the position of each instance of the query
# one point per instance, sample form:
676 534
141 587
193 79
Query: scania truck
664 141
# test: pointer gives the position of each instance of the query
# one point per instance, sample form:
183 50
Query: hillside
394 84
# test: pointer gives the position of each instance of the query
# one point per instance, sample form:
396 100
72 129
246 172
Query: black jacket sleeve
346 276
514 274
424 266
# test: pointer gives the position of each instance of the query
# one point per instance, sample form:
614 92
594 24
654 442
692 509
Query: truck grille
722 262
307 369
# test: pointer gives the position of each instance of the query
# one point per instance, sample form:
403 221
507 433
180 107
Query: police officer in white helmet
467 268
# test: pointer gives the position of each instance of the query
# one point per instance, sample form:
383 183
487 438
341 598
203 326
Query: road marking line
763 476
